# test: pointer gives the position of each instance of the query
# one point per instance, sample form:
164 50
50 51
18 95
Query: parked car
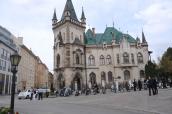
25 94
45 92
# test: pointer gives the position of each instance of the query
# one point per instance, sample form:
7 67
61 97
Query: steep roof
109 34
69 7
83 15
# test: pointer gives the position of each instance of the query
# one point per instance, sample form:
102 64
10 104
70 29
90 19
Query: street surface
110 103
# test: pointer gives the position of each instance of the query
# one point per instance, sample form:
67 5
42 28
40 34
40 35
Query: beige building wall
42 75
27 69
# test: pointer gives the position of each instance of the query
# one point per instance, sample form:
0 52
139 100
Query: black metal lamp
15 59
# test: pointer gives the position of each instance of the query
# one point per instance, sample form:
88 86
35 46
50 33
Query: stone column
4 84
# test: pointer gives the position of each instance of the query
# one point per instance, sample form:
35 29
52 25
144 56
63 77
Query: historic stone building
85 58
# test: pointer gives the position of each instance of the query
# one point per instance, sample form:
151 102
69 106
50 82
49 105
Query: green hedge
4 110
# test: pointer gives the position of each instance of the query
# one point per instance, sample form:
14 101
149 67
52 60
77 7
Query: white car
25 94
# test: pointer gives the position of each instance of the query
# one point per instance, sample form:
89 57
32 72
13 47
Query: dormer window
67 13
104 45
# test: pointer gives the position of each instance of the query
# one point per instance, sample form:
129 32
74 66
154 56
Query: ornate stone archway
92 79
61 81
76 83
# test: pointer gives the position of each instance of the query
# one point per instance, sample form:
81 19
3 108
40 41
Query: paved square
120 103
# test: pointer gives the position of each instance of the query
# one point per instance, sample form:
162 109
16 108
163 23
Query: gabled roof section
109 34
69 7
92 39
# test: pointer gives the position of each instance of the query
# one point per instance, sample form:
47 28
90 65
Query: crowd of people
150 84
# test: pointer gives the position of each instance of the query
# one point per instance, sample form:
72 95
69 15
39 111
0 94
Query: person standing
150 86
135 85
139 85
155 89
127 86
31 96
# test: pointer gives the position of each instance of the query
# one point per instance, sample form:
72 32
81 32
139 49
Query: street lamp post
15 59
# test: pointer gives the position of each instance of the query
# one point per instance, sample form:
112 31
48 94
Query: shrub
4 110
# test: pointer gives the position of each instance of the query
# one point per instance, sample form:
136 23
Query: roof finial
83 19
143 37
54 15
69 9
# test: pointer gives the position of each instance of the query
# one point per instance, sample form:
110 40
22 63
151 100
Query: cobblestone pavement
120 103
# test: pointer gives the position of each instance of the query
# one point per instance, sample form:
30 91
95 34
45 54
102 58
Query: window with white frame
91 60
102 60
125 58
108 59
140 58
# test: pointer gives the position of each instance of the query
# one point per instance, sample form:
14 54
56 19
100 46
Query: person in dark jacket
150 86
135 85
155 89
139 85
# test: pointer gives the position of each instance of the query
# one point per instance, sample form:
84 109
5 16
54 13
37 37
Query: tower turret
69 11
83 19
54 20
143 38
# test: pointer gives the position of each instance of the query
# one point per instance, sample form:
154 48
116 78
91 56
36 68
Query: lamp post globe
15 59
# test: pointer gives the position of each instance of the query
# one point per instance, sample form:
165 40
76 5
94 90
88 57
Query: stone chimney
93 30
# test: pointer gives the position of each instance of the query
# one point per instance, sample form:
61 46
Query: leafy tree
166 61
150 69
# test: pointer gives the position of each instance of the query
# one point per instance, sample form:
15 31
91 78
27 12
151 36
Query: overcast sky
31 19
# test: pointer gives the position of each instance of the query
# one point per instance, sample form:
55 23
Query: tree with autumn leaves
162 70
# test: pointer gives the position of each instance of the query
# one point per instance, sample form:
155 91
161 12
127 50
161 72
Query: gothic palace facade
85 58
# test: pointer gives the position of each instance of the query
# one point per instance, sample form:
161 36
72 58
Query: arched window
125 58
132 58
142 74
108 60
58 61
118 60
77 58
72 35
110 78
140 58
91 60
64 36
103 76
93 78
102 60
126 75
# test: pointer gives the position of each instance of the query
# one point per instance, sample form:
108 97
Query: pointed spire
143 37
138 39
54 20
69 9
83 19
83 15
54 15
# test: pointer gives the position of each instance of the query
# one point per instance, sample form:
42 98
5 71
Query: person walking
155 89
127 86
139 85
31 96
150 86
135 85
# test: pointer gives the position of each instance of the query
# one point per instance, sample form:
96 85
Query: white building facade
87 58
7 47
